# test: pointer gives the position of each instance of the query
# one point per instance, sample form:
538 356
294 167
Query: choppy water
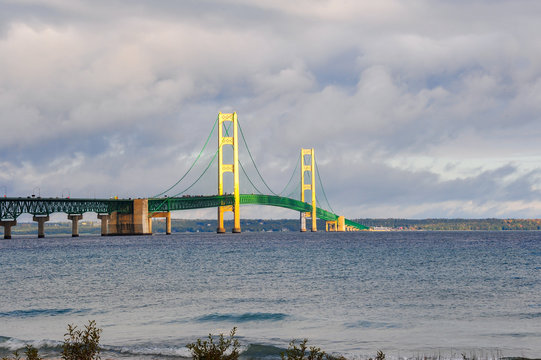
406 293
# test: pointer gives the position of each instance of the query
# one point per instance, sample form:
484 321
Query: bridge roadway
41 208
199 202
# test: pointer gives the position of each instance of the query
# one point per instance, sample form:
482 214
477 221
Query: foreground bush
379 356
228 349
302 352
30 352
82 344
225 349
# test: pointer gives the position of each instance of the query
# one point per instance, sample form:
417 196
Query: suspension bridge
134 216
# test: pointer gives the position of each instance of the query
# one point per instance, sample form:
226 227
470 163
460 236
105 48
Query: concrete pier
341 223
330 226
7 224
220 230
337 225
75 224
104 223
137 223
303 221
41 224
167 216
168 224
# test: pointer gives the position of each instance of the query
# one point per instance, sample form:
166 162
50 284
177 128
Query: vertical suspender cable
249 153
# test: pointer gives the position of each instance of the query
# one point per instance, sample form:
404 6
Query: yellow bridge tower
223 168
311 187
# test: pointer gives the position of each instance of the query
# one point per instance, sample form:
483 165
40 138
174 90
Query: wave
145 351
246 317
150 351
372 325
257 351
41 312
530 315
252 351
8 344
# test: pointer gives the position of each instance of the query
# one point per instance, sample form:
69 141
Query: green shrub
380 355
302 352
32 353
82 344
16 356
223 350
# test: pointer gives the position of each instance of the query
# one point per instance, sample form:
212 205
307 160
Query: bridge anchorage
134 217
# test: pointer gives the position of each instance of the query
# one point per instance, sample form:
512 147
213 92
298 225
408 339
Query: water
409 294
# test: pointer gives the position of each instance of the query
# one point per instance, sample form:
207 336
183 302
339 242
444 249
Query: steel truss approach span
11 208
199 202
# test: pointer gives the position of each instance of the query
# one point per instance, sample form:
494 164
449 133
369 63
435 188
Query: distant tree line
260 225
454 224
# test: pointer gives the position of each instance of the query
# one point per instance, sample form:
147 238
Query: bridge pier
330 226
163 214
7 224
136 223
341 224
104 223
75 224
41 224
337 225
303 221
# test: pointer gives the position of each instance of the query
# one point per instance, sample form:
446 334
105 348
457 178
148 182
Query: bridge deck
11 208
198 202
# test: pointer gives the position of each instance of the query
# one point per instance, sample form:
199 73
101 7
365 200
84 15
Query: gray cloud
414 108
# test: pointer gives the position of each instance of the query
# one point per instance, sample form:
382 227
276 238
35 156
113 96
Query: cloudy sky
415 108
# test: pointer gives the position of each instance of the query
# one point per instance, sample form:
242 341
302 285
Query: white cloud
119 99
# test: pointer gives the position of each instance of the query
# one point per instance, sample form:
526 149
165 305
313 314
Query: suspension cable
257 169
250 180
296 190
193 164
292 175
242 167
200 176
189 187
250 153
322 188
204 171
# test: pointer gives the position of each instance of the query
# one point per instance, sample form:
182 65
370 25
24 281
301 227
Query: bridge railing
189 202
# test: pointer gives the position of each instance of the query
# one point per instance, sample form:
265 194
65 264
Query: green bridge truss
11 208
198 202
